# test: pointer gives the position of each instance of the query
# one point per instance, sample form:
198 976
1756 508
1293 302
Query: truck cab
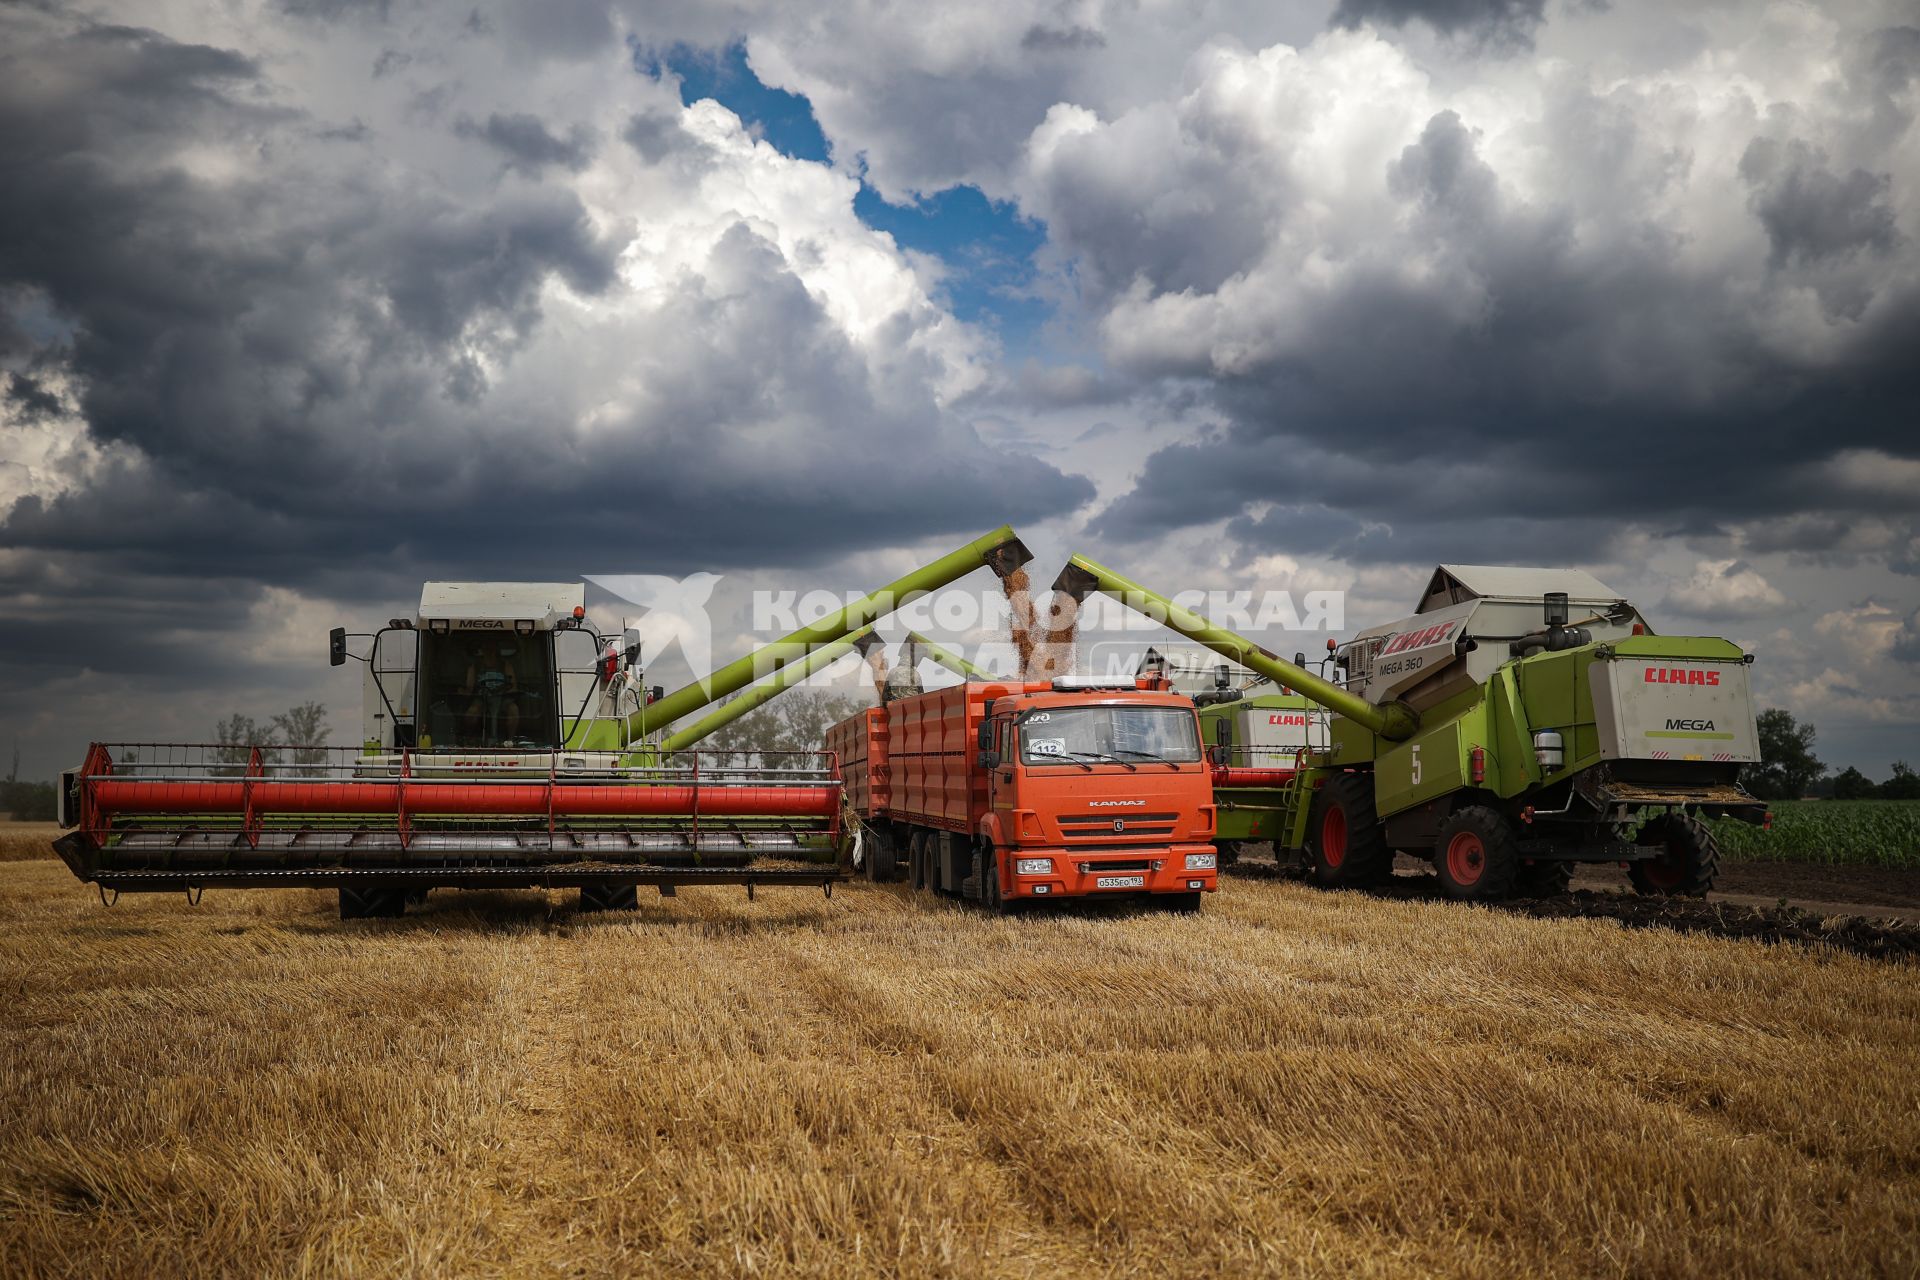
1093 790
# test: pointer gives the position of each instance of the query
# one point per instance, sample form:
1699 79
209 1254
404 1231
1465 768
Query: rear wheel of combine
1687 867
1476 855
372 904
1345 845
609 897
1543 879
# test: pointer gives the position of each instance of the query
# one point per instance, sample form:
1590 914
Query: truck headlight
1201 861
1033 866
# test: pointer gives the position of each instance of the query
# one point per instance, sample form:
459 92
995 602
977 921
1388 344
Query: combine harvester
506 744
1497 736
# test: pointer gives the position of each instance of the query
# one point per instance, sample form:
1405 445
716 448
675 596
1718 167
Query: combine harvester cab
1007 792
1519 722
505 744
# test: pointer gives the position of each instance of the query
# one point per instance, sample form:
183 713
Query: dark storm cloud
1496 21
1810 212
527 145
1046 39
1524 395
316 368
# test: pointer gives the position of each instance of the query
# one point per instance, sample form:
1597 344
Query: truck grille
1105 868
1099 826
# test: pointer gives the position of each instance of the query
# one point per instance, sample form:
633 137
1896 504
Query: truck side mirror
989 760
984 739
337 646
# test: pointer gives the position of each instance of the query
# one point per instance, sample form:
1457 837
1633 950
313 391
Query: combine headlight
1033 866
1202 861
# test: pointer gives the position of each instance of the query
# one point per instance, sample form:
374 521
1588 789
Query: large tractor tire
609 897
1687 867
372 904
1346 847
1543 879
1476 856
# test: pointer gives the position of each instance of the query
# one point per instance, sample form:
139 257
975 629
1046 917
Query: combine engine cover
1674 709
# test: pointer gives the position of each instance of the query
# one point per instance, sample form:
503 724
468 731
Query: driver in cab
493 712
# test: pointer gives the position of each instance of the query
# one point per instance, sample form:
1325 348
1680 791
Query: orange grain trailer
1006 792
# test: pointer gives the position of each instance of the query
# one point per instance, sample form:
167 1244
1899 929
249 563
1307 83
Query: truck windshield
1062 735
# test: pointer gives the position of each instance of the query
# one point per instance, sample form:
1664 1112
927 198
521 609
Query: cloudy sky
302 303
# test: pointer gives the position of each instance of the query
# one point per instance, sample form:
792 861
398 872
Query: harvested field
1293 1082
20 841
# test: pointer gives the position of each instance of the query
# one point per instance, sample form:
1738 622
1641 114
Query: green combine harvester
1493 732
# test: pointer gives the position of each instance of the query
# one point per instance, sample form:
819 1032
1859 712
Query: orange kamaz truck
1008 792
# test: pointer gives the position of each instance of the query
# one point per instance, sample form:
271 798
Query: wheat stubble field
1294 1082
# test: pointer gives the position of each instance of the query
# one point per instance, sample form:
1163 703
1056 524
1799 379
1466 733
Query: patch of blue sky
986 246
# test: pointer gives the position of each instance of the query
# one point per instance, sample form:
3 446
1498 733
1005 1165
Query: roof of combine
546 603
1453 584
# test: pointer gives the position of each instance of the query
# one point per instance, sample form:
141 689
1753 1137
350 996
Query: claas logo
1419 639
1280 719
1680 675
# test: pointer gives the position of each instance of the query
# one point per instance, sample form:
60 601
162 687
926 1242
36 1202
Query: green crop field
1876 833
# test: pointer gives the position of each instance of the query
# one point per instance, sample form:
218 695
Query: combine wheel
609 897
372 904
1543 879
1476 856
1345 845
1689 865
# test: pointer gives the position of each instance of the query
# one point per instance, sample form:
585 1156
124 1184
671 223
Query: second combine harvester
1497 735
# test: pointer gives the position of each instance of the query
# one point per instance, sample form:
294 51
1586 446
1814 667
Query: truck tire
882 866
1543 879
1476 856
1345 846
921 853
1688 867
1180 904
991 898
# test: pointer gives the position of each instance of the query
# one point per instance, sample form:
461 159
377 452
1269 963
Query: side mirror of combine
337 646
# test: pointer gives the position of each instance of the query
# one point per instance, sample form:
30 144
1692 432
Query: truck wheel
1180 904
990 896
882 866
372 904
1476 856
1543 879
1344 840
1689 865
920 850
609 897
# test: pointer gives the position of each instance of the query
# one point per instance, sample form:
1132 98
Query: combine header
506 744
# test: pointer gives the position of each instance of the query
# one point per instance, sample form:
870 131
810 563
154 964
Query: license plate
1121 882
